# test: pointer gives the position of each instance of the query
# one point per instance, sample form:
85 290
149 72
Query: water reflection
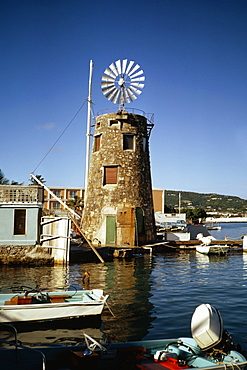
130 289
42 276
150 298
244 265
127 283
51 336
203 259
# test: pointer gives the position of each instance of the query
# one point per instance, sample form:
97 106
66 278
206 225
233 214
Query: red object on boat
172 363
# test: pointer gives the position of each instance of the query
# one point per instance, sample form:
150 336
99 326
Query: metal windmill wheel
122 82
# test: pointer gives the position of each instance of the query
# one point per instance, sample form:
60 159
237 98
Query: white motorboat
212 249
213 226
35 305
207 248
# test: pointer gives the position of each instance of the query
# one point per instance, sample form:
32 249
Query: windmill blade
106 78
131 95
129 66
124 65
137 84
106 91
118 65
135 90
138 79
110 93
115 96
134 69
114 70
108 72
107 84
137 74
110 96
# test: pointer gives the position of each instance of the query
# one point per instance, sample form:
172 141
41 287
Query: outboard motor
206 326
208 332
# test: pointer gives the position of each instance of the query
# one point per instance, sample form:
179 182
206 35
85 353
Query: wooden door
110 229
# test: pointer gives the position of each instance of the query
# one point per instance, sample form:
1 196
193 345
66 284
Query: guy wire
60 136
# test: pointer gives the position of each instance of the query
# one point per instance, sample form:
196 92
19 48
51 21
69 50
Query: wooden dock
191 244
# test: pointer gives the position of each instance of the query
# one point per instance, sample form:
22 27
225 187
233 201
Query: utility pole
179 202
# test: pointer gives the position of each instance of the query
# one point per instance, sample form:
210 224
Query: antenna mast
89 107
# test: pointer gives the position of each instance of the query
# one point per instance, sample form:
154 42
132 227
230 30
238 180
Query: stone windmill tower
119 205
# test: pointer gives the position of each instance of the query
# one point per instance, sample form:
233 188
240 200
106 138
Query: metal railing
148 116
17 345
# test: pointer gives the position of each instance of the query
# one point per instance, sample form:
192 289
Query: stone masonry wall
134 188
25 255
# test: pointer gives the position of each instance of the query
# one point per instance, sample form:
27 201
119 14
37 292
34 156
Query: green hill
210 202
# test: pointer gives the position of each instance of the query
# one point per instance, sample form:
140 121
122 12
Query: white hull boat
212 249
208 248
213 227
39 306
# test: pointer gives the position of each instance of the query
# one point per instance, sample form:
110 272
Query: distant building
65 194
158 200
68 193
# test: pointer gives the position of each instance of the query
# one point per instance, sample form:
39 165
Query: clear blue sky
193 53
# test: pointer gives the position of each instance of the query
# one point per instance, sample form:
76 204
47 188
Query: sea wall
31 255
226 219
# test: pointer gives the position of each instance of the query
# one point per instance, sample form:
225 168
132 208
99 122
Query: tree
189 213
39 177
76 204
4 181
169 209
200 213
195 213
16 183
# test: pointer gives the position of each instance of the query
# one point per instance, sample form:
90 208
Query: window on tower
110 175
114 123
144 144
128 141
97 140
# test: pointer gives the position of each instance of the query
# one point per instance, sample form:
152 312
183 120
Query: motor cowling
209 334
206 326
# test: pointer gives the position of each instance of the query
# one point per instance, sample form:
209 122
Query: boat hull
119 356
212 249
88 305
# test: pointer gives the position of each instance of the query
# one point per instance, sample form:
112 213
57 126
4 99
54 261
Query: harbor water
233 230
151 296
